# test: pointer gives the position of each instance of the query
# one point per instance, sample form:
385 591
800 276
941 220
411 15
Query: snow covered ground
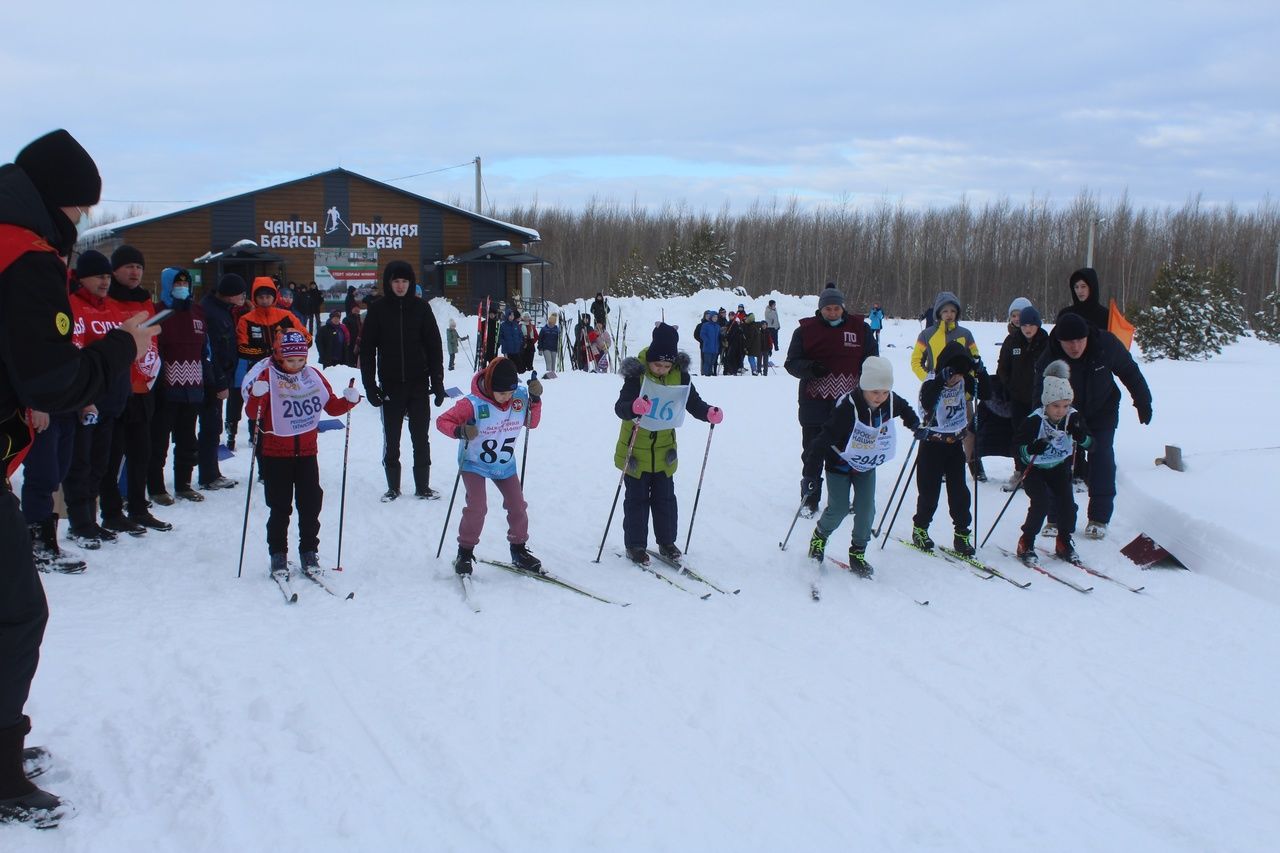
191 710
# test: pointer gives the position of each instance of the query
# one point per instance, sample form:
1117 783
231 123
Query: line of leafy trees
987 253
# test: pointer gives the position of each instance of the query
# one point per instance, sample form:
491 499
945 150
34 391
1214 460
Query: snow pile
191 710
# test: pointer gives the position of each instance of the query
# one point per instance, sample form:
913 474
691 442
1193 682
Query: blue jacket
876 318
510 337
549 338
709 336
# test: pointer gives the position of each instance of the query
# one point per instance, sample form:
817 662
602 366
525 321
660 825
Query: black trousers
23 610
176 422
90 454
935 459
288 480
130 443
1051 497
649 493
208 437
235 410
46 466
416 403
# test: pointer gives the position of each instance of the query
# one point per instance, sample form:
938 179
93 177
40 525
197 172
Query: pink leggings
477 504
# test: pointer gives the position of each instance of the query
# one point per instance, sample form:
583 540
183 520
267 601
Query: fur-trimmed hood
633 366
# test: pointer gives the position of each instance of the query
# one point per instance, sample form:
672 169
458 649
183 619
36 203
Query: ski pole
253 458
524 454
1021 480
901 498
794 519
452 497
635 430
875 534
698 493
342 501
975 489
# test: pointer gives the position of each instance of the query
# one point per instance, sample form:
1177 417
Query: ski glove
260 388
375 396
1076 426
351 395
921 434
1144 412
715 415
808 486
641 406
438 397
1040 445
535 388
467 431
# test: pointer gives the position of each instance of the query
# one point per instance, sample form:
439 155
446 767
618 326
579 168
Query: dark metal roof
495 255
245 250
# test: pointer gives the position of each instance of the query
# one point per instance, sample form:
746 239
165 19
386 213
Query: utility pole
479 206
1088 255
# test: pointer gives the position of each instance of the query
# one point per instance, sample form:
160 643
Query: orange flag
1119 326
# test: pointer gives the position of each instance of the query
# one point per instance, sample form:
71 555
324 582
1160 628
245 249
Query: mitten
715 415
260 388
641 406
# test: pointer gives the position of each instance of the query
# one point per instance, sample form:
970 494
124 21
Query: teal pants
863 484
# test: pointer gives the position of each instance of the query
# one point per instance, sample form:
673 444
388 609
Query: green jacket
655 450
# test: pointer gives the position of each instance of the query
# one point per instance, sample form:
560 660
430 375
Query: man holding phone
131 437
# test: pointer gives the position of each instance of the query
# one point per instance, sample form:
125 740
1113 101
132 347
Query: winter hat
503 376
61 170
92 263
877 374
1057 383
291 343
830 296
1019 304
397 269
663 345
231 285
125 255
1071 327
1029 316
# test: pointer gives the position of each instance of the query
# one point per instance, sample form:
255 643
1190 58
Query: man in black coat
1096 357
1086 300
826 355
402 364
220 326
43 194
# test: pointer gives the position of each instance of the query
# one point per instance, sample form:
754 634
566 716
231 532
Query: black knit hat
1071 327
663 345
124 255
92 263
504 376
231 285
397 269
62 171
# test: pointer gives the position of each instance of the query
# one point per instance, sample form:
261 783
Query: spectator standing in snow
771 322
707 335
600 308
826 354
453 341
876 320
549 345
1086 300
220 319
332 341
354 322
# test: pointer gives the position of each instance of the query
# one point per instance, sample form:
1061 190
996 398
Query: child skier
488 421
858 437
1047 444
656 392
286 399
452 341
946 400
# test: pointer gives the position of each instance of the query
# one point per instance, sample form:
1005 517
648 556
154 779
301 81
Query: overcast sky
654 102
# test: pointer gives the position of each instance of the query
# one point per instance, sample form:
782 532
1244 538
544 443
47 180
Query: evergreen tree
681 269
1193 313
1266 323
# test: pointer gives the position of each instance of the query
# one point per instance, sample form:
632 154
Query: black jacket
401 342
1017 365
1092 309
954 356
835 432
39 366
1092 378
220 326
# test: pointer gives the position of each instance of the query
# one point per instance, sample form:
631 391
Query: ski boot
47 555
978 471
522 559
35 807
187 493
389 495
1012 483
311 563
36 761
465 561
858 561
1095 530
671 552
231 441
426 493
1027 549
122 524
146 519
639 556
1065 549
920 538
162 498
1050 530
817 545
279 566
219 483
962 543
90 537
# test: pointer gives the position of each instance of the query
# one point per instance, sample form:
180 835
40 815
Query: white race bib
1060 441
297 400
869 446
949 414
668 404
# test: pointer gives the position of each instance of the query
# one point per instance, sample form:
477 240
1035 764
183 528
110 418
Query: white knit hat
877 374
1057 383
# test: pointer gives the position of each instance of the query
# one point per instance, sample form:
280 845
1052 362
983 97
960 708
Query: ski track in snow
190 710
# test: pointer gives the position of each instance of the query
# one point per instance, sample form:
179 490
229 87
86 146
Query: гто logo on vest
851 339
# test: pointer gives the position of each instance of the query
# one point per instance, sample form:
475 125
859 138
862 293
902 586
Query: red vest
839 349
